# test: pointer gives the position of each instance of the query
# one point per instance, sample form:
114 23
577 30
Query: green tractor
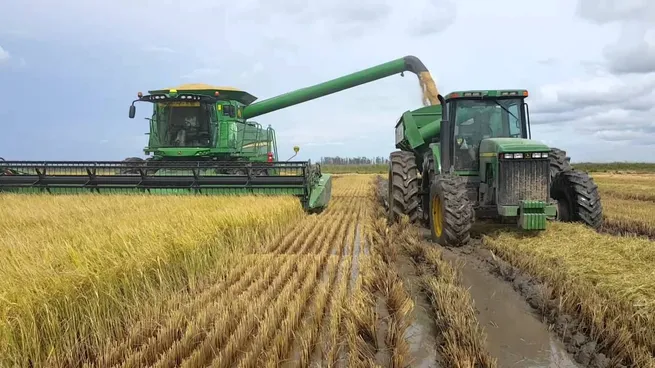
202 141
472 157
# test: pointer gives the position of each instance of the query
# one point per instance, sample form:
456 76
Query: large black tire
577 198
451 212
403 194
558 162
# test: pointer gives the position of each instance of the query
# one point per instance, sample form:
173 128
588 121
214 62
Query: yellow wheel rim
436 215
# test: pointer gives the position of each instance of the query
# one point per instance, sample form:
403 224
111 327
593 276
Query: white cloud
4 55
591 82
202 73
158 49
611 102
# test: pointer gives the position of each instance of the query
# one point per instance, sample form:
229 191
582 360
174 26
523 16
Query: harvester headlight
508 155
518 155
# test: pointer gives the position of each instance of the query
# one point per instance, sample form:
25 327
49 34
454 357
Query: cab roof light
514 93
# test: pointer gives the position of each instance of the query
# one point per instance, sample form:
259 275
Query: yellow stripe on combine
255 144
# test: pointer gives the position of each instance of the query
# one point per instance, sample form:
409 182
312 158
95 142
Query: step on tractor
471 157
202 141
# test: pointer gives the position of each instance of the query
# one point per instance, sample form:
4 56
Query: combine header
201 141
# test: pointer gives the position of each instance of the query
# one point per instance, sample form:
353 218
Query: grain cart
202 141
472 157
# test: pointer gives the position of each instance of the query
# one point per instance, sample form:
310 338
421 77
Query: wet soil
422 335
523 325
516 335
521 319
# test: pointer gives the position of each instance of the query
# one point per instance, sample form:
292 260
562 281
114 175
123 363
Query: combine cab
199 143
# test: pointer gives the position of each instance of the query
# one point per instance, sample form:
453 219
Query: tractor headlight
508 155
518 155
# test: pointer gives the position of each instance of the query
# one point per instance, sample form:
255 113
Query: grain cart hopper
201 141
471 156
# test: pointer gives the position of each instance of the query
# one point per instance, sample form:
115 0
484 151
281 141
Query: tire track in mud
522 320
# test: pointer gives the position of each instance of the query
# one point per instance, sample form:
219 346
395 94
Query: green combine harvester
472 157
202 141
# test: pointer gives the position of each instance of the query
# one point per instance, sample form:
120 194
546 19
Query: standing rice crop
77 271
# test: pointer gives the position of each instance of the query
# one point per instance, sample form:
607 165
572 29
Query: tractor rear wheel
577 198
451 212
403 194
558 162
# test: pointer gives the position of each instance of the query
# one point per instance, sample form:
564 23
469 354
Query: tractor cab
477 116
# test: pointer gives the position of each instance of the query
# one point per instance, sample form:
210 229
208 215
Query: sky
70 69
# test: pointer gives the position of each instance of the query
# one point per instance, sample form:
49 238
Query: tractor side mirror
132 111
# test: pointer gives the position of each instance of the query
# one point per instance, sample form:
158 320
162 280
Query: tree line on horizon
337 160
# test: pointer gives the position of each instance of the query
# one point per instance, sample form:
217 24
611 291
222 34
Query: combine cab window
185 124
476 120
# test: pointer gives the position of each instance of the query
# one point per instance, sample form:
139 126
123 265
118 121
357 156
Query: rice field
134 281
247 282
76 270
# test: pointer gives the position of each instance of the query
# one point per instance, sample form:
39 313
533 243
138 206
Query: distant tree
337 160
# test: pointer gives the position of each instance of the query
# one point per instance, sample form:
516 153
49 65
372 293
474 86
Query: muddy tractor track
523 324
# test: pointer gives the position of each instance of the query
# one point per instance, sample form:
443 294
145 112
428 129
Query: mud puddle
516 335
422 335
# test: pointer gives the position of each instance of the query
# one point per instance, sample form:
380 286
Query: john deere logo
239 113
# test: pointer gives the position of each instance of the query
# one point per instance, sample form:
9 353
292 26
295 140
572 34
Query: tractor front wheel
403 194
451 212
577 198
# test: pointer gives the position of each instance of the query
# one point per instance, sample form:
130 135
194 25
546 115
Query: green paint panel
321 193
532 215
436 155
511 145
508 211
